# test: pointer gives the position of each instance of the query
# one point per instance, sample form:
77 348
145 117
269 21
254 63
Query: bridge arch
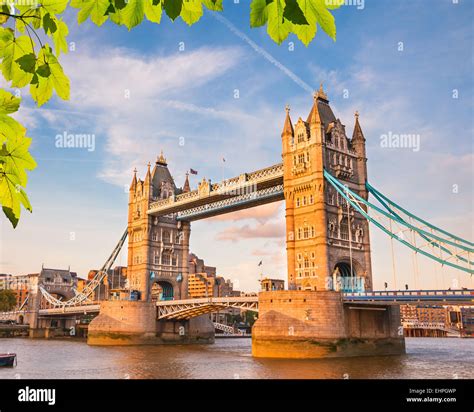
348 277
163 290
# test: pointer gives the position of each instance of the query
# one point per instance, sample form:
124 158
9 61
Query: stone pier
134 323
317 324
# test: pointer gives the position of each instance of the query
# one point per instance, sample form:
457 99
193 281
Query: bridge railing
434 292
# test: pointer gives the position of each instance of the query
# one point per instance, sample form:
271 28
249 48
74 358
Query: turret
358 144
288 133
186 187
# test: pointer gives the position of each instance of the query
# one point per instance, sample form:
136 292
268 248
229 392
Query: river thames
439 358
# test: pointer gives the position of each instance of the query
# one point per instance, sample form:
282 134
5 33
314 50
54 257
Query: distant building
268 284
436 320
4 280
203 281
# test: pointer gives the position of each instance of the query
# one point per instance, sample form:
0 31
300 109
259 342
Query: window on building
165 258
174 260
312 231
297 202
306 233
311 199
300 137
166 236
304 200
299 233
154 236
301 158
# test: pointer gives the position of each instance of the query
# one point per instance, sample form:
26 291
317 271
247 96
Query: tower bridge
324 185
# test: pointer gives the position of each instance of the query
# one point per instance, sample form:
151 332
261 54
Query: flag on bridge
260 263
193 172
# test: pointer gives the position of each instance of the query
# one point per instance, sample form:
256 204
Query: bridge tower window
306 232
165 258
166 236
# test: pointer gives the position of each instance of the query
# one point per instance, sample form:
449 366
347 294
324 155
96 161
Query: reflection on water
230 358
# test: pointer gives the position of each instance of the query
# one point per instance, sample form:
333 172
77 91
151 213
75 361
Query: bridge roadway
187 308
211 199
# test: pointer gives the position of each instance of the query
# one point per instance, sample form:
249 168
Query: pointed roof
134 180
321 112
160 174
314 116
148 175
357 134
186 187
288 126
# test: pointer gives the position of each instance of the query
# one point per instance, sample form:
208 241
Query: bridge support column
135 323
122 322
317 324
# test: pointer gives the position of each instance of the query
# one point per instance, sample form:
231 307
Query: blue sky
188 97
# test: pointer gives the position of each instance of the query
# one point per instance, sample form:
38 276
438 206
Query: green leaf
15 157
173 8
258 13
49 24
6 36
8 103
9 128
27 62
12 195
59 37
324 17
293 13
12 51
95 9
153 11
43 71
42 88
133 13
54 6
215 5
191 11
278 27
306 32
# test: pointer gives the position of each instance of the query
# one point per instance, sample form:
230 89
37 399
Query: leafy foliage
7 300
25 60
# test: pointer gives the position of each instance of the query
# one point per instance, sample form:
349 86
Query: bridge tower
328 244
158 247
158 259
328 251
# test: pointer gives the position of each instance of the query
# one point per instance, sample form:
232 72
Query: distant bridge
189 308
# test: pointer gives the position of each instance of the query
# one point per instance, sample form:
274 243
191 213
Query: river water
446 358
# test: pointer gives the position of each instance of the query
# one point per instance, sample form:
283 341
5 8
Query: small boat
7 359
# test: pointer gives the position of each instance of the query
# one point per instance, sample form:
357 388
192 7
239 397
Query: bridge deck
243 191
